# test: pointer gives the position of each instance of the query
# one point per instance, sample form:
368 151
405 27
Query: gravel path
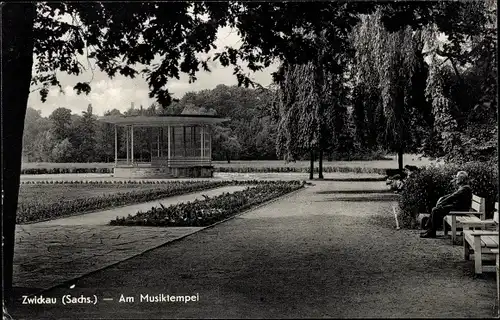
317 253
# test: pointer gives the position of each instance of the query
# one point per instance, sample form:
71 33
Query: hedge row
299 169
211 210
97 182
327 169
422 190
65 170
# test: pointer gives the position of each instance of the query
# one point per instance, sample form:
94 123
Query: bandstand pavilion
181 146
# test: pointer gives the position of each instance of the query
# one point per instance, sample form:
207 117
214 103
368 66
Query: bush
422 190
65 170
326 169
250 169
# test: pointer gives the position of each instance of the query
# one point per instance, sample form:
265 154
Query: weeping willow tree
310 110
296 113
387 65
462 86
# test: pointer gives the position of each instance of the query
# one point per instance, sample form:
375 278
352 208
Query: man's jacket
459 200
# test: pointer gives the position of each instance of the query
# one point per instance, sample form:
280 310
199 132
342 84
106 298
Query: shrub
422 190
65 170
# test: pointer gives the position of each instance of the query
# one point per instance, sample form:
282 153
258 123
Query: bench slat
468 219
483 232
489 241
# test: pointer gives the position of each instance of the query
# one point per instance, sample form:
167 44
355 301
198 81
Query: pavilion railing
130 163
189 162
173 162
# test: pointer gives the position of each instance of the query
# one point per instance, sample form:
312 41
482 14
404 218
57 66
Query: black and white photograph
249 159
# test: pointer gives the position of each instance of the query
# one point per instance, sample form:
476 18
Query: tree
61 123
62 151
312 103
34 127
86 131
225 143
386 63
286 112
247 109
44 144
464 111
462 89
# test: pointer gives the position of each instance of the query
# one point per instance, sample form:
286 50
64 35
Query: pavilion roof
162 120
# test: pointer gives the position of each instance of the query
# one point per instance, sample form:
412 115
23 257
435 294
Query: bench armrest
484 233
464 213
489 222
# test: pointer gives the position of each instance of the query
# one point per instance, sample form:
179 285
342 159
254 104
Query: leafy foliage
130 38
385 66
462 83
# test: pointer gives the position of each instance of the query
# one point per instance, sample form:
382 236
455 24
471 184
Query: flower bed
38 210
97 182
65 170
211 210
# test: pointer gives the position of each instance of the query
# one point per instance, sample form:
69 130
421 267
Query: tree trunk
321 164
17 62
400 157
311 168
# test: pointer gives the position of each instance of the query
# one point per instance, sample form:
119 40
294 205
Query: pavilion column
132 143
158 143
210 145
116 145
168 141
202 141
127 133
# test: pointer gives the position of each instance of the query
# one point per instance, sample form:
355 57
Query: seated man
459 200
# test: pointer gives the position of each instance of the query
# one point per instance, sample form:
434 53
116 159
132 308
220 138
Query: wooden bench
497 264
483 244
457 219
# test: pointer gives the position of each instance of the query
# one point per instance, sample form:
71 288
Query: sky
120 92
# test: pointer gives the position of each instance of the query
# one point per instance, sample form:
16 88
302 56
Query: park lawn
48 193
46 202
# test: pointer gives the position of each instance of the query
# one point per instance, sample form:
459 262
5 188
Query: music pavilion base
163 172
